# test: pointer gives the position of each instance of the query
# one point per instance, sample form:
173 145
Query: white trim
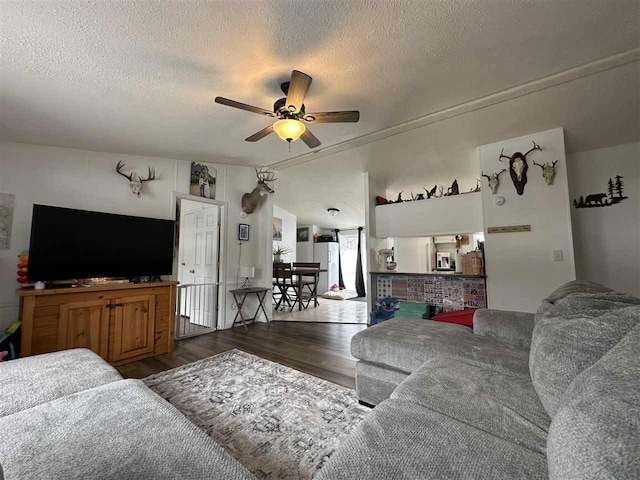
543 83
222 269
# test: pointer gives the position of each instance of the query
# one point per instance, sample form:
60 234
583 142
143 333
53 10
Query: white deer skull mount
135 181
494 180
548 171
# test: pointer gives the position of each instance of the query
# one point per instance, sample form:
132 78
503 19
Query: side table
240 296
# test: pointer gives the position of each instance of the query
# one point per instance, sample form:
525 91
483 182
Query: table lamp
247 272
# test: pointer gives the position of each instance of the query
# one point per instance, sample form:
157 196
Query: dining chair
282 283
309 282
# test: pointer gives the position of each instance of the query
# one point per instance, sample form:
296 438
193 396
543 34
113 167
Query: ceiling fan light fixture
289 129
333 211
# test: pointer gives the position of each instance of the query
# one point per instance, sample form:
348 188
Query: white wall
86 180
289 234
607 239
521 270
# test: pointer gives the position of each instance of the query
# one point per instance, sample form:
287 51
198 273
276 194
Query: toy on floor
386 310
335 288
9 339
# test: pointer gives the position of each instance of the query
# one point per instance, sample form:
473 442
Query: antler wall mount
135 181
494 180
290 113
548 171
518 167
250 201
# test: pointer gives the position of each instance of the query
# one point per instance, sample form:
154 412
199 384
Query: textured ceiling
140 77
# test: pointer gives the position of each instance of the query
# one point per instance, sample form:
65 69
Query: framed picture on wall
277 229
302 234
243 232
203 180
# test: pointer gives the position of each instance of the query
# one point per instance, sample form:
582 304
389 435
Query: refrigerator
327 254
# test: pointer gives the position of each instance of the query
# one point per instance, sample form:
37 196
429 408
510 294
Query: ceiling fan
290 113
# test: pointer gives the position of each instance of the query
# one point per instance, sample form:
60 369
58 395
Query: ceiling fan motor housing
281 110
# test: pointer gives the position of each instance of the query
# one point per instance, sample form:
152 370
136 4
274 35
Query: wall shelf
457 214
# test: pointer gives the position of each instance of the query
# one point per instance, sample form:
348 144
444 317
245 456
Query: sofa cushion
374 383
119 430
569 288
596 434
576 332
406 343
30 381
403 440
502 405
576 286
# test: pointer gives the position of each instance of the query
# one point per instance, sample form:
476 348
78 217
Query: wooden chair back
282 271
313 265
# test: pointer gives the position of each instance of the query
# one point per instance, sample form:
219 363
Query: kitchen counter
432 274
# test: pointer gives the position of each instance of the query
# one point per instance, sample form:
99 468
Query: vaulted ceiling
140 77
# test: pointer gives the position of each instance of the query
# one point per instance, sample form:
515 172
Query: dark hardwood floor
319 349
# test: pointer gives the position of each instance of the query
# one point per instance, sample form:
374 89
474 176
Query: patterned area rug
276 421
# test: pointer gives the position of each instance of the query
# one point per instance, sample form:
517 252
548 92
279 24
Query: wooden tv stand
121 323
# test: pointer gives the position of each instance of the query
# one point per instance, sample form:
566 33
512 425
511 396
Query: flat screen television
67 243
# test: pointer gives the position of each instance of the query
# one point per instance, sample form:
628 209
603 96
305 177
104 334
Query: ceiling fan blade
261 134
332 117
310 139
243 106
298 88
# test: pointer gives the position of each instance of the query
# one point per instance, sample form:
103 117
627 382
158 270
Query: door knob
183 264
192 271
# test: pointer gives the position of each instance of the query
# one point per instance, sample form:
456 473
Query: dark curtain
340 279
359 274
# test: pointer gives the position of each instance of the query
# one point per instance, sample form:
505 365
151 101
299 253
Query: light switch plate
557 256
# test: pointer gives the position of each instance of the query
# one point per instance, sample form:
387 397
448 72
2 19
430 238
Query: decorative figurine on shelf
548 171
386 310
399 199
453 189
478 188
381 200
432 192
494 180
518 167
420 196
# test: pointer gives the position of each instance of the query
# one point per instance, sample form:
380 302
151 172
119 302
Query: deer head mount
518 167
548 171
250 201
494 180
135 180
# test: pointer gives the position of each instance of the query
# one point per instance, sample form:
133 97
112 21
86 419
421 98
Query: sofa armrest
515 328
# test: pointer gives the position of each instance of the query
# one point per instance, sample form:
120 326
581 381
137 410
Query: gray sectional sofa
70 415
521 396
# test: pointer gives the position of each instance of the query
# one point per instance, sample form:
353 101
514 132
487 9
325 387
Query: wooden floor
320 349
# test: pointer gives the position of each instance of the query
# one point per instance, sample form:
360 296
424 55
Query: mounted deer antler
135 184
151 176
535 147
251 200
548 171
494 180
518 167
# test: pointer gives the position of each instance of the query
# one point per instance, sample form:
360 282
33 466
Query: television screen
67 243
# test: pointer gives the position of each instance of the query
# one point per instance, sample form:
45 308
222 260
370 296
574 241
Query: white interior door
199 247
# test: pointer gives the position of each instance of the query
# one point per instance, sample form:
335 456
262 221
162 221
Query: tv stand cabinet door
84 324
134 327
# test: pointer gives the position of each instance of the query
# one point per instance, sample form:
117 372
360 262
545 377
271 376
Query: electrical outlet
557 256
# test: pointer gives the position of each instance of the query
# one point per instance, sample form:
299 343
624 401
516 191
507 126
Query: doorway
199 253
